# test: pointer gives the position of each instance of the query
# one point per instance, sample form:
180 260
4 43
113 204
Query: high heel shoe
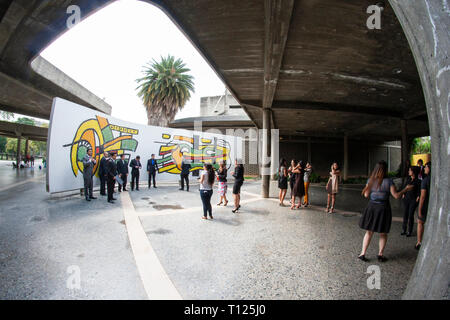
363 258
219 203
382 258
225 204
327 210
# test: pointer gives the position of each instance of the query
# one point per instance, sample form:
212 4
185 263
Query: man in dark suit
122 169
88 172
111 173
184 175
152 168
135 165
102 173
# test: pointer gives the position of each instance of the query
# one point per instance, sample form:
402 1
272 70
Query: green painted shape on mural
130 145
82 151
107 134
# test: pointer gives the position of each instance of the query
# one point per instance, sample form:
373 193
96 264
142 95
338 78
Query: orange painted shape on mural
103 122
182 138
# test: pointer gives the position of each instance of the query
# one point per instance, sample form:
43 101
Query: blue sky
106 51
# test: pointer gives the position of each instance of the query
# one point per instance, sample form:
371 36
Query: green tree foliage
165 89
421 145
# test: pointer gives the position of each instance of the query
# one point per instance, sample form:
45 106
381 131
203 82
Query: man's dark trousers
124 186
88 187
111 185
135 180
103 185
184 177
152 175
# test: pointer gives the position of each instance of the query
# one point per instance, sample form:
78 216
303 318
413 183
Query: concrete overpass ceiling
26 28
331 61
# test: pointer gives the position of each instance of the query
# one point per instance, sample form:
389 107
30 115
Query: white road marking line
155 279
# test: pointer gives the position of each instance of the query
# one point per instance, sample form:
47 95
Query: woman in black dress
377 216
282 181
410 201
299 186
238 175
292 177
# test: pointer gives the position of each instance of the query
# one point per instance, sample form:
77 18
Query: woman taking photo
377 216
410 200
332 187
299 185
292 177
308 171
282 181
206 189
238 175
222 188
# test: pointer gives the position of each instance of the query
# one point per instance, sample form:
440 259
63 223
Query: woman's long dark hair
377 176
283 163
211 175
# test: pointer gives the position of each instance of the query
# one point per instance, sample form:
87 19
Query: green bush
314 178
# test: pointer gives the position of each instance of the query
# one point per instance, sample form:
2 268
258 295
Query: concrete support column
18 154
274 152
27 144
265 156
425 23
345 175
309 150
405 151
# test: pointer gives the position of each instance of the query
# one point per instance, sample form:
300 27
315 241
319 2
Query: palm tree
165 89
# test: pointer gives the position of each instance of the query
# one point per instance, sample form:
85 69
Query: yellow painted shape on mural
166 136
89 124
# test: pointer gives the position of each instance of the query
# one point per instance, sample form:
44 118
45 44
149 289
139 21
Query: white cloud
105 53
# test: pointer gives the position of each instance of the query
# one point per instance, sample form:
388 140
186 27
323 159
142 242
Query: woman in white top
206 189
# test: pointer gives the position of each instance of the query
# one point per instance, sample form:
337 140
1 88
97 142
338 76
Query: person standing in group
122 169
152 168
421 174
308 171
292 177
135 165
88 174
410 200
206 189
102 173
282 181
222 188
238 175
332 187
377 217
32 160
111 172
184 175
423 203
299 185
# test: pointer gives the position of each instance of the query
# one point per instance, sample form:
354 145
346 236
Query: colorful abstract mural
195 149
99 135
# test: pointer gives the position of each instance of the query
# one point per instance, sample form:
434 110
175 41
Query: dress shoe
403 233
181 189
409 234
93 198
114 199
87 199
110 201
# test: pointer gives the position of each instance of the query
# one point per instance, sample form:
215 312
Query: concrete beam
277 17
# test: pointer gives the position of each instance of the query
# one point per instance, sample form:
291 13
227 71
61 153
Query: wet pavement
263 252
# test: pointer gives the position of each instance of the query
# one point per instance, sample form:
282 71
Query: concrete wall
323 153
426 24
